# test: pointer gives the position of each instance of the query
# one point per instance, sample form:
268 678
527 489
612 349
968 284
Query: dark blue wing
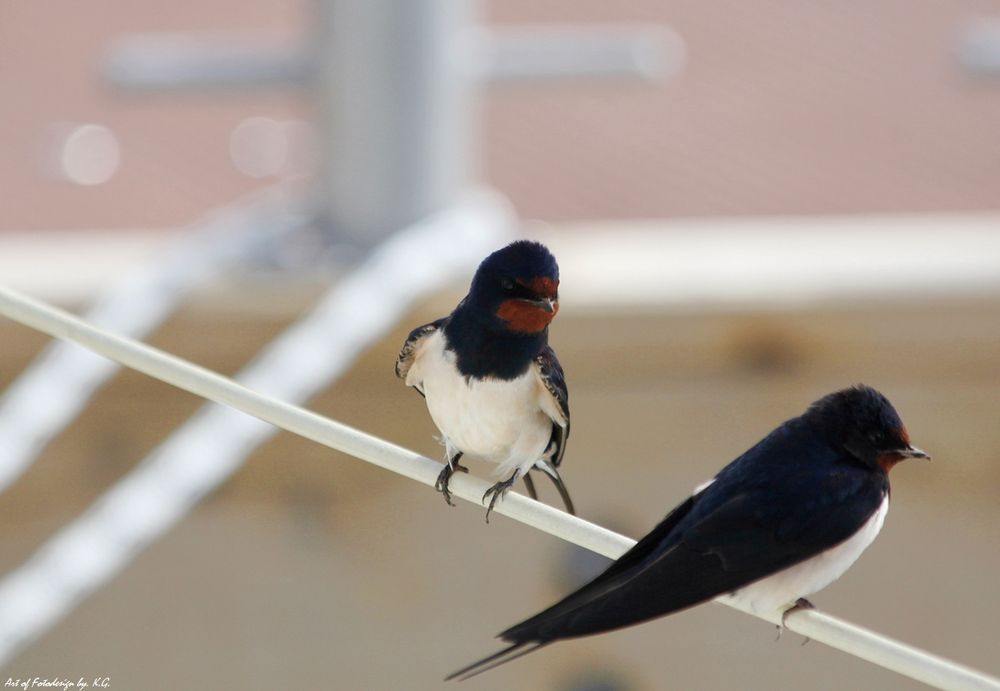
764 512
555 381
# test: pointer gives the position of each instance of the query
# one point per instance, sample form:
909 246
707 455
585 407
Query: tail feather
557 480
511 652
529 485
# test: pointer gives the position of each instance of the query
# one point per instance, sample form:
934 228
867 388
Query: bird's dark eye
506 284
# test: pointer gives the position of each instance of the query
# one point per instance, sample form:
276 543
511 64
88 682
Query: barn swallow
779 523
492 384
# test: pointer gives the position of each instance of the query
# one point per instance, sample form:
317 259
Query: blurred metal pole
395 85
395 94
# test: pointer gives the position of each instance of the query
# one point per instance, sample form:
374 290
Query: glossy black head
517 288
863 422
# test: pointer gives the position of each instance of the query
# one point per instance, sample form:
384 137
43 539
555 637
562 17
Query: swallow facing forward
493 386
779 523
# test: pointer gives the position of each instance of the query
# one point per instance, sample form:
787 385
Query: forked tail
511 652
553 474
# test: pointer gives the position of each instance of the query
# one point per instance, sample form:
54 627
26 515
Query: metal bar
161 62
502 55
564 52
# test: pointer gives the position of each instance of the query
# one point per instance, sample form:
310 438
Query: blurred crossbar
863 643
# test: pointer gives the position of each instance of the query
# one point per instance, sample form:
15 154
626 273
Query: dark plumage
818 484
493 385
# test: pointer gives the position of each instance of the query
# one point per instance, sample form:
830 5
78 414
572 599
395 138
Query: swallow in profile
779 523
492 384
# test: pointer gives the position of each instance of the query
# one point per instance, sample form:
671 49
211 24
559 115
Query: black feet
800 604
498 491
444 477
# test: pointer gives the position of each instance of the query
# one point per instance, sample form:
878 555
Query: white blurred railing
52 391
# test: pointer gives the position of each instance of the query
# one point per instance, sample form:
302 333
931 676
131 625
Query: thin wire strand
818 626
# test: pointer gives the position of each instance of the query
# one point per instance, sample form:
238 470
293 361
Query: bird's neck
484 351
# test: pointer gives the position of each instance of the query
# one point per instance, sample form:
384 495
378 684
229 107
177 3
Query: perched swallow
492 384
779 523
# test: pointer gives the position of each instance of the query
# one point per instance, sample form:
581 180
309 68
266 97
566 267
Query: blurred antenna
396 84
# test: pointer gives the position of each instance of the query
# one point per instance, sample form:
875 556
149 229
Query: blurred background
753 204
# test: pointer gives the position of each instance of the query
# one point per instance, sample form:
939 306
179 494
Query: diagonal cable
52 391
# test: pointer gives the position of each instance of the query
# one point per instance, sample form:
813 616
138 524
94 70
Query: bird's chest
485 417
813 574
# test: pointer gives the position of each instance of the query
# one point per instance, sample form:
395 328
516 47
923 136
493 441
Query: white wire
56 386
210 446
868 645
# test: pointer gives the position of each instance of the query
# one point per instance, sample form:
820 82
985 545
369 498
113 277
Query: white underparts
508 423
814 574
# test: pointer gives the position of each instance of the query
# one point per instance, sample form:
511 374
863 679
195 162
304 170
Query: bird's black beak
546 304
913 452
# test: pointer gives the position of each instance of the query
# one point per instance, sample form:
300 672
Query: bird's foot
499 491
800 604
444 477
